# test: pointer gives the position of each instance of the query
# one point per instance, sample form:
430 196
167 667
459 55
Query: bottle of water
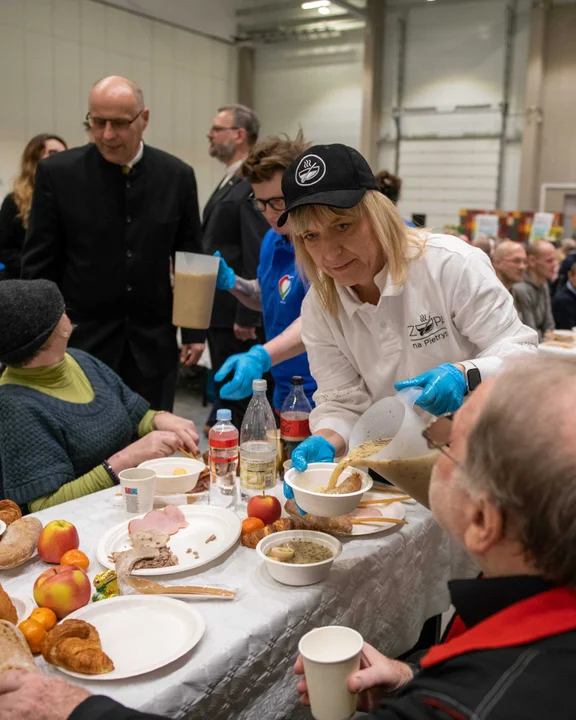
223 454
257 445
294 417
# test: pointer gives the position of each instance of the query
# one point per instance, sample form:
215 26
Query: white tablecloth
384 586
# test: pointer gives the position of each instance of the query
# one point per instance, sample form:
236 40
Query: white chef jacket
451 308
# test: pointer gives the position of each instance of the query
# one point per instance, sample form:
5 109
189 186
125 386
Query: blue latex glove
247 367
313 449
226 276
444 388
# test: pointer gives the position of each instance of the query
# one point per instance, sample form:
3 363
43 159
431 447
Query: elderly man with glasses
106 221
505 488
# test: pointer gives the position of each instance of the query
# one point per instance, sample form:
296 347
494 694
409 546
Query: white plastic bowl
290 574
168 483
305 486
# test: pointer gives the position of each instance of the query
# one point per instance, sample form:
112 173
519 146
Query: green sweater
68 382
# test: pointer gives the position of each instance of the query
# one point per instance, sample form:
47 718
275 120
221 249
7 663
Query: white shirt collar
231 170
137 157
350 301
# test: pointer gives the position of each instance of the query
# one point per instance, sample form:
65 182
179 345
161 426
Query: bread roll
19 542
14 651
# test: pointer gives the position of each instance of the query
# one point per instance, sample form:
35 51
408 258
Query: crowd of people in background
540 275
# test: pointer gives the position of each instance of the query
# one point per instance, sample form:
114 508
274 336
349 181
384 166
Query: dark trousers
223 343
159 390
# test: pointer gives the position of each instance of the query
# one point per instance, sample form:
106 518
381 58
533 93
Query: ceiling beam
295 22
296 5
353 9
273 7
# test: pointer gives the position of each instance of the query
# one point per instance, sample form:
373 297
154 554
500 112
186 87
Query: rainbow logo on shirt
284 286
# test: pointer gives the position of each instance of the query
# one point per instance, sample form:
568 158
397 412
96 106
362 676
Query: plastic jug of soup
405 460
194 287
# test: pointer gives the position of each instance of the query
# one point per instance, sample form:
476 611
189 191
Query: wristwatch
472 376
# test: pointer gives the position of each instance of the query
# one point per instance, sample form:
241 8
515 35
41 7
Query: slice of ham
156 520
365 512
174 512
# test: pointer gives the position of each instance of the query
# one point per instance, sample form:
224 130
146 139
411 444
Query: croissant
7 609
75 645
9 511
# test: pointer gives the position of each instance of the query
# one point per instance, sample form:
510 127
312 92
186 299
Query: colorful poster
541 226
486 225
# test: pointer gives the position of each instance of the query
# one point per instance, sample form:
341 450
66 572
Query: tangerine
251 524
34 634
46 617
75 557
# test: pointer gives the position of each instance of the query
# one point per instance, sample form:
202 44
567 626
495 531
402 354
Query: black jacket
234 226
508 656
106 239
564 308
12 236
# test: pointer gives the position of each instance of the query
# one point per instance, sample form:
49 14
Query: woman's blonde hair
395 237
24 183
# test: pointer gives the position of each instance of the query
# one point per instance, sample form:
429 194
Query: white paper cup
138 485
331 654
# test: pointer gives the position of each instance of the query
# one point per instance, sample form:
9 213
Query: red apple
56 538
265 507
63 588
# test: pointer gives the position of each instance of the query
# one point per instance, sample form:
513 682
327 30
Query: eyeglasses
437 435
219 128
97 123
276 203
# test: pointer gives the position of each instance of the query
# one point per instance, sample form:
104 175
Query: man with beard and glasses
234 227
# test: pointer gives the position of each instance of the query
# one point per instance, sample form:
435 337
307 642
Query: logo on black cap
311 169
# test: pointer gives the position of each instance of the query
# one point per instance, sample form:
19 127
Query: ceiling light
324 10
313 4
430 0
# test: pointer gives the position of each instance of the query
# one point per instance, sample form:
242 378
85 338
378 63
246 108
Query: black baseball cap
334 175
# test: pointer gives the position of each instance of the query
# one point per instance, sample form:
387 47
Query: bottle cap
223 414
297 380
259 385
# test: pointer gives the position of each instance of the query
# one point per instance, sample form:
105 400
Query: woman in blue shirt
279 290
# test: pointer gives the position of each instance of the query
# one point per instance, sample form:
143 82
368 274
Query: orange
34 634
46 617
251 524
75 557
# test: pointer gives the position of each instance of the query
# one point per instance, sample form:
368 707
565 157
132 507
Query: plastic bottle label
220 444
294 429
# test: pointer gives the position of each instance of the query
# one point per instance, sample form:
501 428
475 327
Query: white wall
313 86
52 51
454 56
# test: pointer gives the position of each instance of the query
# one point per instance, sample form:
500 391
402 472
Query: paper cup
138 486
331 654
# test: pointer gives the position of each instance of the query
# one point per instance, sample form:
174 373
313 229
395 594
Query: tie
126 169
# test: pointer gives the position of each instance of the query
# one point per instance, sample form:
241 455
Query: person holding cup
506 653
390 306
68 425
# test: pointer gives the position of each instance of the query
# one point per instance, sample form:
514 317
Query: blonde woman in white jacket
390 306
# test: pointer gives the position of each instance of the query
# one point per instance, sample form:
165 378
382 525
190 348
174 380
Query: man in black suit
233 226
564 302
105 222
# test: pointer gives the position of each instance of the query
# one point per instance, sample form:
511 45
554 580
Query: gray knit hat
29 312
